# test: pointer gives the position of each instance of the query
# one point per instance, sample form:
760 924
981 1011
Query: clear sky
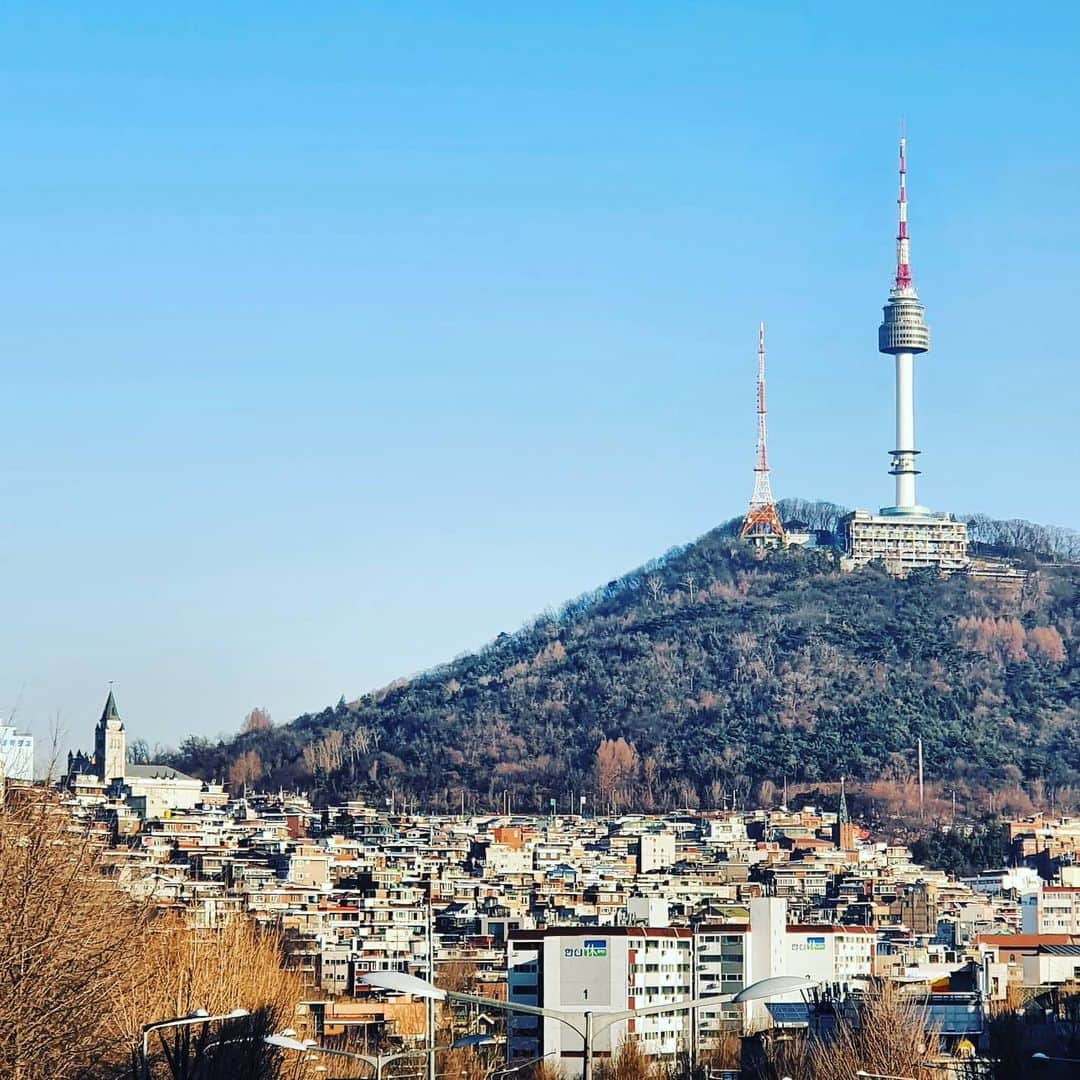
337 338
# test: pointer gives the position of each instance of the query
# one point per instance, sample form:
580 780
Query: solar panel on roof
789 1013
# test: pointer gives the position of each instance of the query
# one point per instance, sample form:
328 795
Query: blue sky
337 338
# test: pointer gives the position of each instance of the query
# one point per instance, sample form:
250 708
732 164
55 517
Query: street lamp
519 1065
581 1021
1040 1056
199 1016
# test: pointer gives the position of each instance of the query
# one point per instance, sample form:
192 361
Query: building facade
16 754
905 543
606 970
612 969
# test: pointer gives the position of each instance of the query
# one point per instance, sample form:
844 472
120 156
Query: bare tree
616 770
257 720
66 940
889 1035
246 769
83 967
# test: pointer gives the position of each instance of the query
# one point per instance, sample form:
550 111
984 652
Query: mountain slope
720 671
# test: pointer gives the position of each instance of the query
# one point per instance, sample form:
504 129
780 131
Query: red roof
830 928
1023 941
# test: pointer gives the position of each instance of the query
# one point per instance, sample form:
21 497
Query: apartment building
608 970
612 969
1058 909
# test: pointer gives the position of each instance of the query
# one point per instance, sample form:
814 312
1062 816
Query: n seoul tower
902 334
906 536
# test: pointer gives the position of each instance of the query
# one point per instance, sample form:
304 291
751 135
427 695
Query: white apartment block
731 956
1052 965
603 970
16 754
610 969
656 851
1058 909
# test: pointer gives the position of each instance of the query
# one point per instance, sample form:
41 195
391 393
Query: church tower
844 830
110 751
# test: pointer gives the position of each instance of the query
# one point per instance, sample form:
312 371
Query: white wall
657 852
16 754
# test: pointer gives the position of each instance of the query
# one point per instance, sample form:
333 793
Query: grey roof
155 772
1060 950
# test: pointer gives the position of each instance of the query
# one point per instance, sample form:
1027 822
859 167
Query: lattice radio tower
762 522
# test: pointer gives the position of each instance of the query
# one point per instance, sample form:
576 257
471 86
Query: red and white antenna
762 522
903 254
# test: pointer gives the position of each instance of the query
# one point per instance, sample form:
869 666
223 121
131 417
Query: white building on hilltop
16 754
150 790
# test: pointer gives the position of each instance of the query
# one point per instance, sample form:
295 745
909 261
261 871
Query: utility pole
922 793
431 979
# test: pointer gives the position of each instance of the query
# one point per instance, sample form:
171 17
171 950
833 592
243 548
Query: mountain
714 670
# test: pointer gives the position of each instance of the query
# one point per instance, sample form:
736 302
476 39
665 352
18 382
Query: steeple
110 749
843 831
111 712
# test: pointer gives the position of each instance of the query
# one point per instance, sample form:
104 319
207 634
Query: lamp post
518 1066
582 1021
199 1016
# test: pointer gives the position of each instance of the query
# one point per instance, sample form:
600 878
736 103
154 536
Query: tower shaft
904 455
762 521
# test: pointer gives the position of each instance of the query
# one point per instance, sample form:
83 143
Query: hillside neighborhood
662 906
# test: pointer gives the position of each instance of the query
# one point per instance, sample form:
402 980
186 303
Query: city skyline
337 346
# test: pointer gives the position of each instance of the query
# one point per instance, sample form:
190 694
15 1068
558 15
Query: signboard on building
585 971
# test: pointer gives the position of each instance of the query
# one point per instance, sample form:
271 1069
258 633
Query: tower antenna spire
903 253
762 522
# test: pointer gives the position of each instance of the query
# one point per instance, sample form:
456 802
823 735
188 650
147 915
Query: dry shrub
465 1064
723 1053
629 1062
543 1070
781 1054
887 1035
83 967
67 941
235 967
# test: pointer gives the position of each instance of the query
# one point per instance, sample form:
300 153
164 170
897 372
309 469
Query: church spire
111 713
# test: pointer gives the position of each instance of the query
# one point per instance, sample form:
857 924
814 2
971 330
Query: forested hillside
709 671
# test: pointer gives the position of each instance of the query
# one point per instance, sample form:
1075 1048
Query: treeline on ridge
712 674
